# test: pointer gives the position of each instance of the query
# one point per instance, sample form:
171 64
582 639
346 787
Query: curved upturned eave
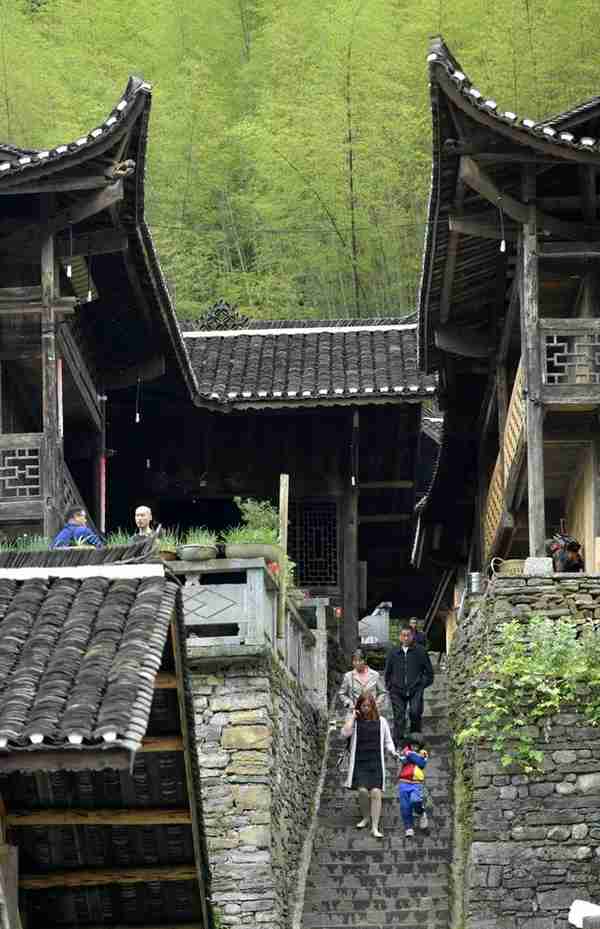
446 76
33 164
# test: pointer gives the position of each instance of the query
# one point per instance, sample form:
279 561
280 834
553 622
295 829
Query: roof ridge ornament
222 315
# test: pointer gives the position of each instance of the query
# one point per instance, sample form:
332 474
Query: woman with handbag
370 737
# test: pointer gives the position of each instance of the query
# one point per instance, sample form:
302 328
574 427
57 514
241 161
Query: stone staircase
394 882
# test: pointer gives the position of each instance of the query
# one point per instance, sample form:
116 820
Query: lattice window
20 473
313 542
572 358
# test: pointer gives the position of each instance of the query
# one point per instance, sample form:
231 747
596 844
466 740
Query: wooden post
100 470
52 461
284 495
535 412
350 516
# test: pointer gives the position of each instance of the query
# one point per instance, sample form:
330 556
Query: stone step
379 919
403 902
349 875
413 883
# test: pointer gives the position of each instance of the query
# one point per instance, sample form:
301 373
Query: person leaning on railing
76 531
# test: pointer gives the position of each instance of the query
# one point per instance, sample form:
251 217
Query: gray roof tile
296 362
78 658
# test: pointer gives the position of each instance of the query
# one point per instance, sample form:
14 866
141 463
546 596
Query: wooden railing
230 613
494 508
514 432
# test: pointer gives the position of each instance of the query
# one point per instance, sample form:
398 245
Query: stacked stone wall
533 843
260 746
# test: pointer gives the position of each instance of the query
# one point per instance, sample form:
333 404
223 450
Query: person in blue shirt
76 531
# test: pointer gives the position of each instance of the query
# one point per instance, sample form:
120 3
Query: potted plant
167 543
199 544
118 537
258 534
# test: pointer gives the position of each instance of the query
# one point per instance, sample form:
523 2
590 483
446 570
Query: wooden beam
96 877
165 681
164 743
81 210
82 378
350 539
478 180
562 203
582 251
386 518
386 485
512 315
587 185
52 479
170 925
59 185
484 225
534 408
82 817
450 263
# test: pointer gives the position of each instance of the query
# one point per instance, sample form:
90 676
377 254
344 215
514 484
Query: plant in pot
167 543
199 544
258 534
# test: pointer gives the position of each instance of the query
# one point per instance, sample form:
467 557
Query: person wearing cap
143 522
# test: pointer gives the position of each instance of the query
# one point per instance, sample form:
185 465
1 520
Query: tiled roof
16 160
78 659
531 132
309 362
69 557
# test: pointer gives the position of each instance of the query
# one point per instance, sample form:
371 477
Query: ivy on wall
540 667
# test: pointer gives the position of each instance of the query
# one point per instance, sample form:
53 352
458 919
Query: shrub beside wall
532 829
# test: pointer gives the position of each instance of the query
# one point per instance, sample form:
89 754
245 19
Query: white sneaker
362 824
409 833
376 833
423 821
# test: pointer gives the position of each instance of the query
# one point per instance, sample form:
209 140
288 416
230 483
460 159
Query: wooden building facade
84 311
338 405
509 317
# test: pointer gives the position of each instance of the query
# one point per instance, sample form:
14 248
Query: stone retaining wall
260 745
533 842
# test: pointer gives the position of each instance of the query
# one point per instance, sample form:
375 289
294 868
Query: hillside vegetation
290 139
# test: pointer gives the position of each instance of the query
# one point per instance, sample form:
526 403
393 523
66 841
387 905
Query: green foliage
539 668
199 535
247 534
119 537
289 159
258 514
169 539
26 543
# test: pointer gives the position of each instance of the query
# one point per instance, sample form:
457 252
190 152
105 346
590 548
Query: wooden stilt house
509 318
84 311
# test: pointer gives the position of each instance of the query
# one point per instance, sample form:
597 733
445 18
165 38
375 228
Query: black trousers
400 704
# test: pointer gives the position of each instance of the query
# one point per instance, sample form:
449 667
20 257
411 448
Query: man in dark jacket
408 672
